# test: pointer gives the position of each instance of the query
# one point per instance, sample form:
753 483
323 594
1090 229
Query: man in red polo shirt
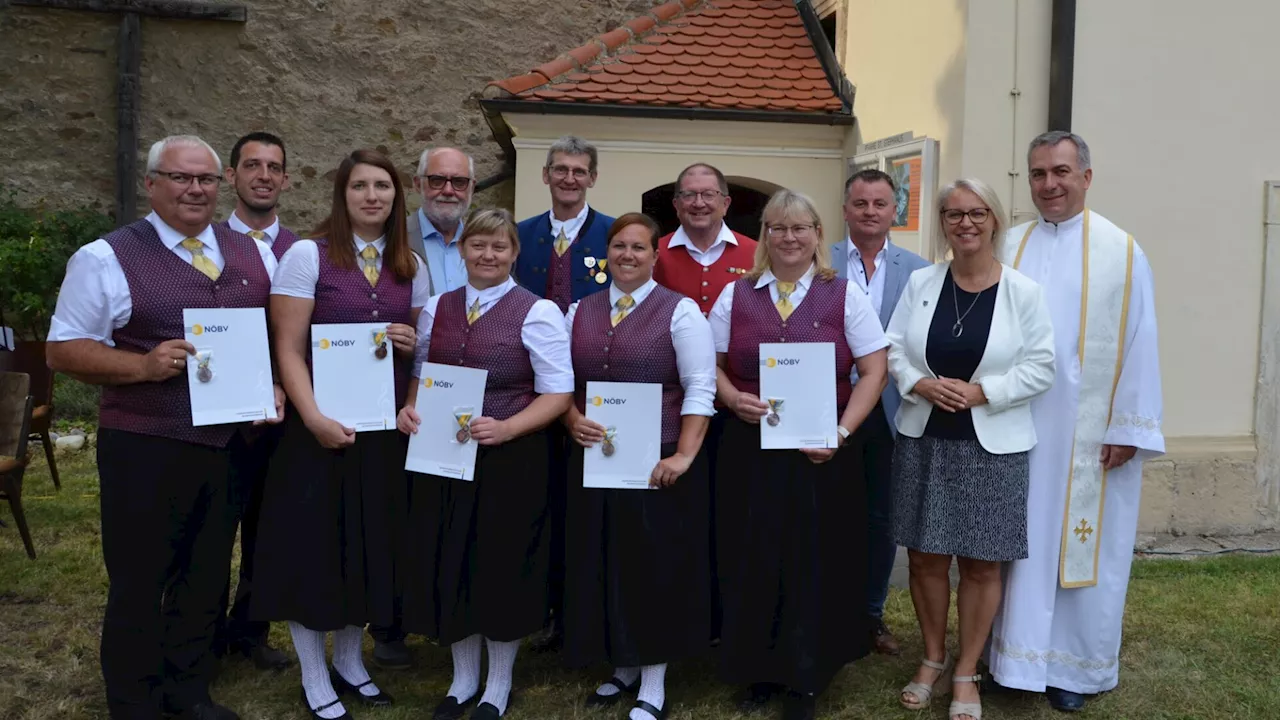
704 255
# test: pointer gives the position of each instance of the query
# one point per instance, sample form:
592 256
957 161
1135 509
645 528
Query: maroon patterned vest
493 343
161 286
560 278
638 350
755 319
344 296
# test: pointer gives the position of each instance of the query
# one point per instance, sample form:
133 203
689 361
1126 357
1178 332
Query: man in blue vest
867 258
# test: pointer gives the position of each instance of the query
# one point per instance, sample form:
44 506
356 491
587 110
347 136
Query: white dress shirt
695 351
94 300
873 288
571 227
235 223
300 271
713 253
542 334
862 329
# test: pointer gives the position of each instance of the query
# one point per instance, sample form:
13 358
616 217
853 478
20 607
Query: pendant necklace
958 329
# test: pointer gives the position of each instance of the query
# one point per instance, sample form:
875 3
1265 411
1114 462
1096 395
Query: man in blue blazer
867 258
562 251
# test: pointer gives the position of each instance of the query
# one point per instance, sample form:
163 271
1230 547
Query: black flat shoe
596 700
655 712
798 706
487 711
341 686
451 708
265 657
1064 700
315 712
756 697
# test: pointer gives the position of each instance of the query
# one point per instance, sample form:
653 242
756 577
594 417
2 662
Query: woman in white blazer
971 343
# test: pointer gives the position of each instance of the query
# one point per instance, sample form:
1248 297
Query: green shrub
75 403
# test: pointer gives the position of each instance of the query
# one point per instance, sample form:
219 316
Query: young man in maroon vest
164 485
258 173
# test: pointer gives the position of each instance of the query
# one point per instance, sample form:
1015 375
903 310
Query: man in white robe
1059 628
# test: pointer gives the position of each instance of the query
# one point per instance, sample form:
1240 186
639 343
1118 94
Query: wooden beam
128 104
173 9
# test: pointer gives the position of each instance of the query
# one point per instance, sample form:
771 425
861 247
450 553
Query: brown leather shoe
882 640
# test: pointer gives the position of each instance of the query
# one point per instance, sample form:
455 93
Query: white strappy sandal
973 710
922 692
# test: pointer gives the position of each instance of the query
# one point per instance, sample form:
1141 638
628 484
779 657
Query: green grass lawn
1201 641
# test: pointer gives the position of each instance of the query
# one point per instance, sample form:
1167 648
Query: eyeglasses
708 196
185 179
561 172
799 232
436 182
976 215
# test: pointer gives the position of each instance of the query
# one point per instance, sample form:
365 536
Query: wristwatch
844 432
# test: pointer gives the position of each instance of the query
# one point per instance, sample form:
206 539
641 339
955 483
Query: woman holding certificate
333 507
481 548
789 523
972 344
638 589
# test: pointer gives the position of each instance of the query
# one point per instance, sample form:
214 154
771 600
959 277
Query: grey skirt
952 497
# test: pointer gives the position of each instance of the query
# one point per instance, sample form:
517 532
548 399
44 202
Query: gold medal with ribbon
380 344
610 437
463 418
204 373
775 407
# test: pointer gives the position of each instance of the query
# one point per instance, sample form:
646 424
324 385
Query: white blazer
1016 366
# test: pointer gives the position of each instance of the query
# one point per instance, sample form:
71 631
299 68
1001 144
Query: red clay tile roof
728 54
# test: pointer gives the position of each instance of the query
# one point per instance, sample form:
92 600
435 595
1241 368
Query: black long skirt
331 530
792 553
638 580
479 552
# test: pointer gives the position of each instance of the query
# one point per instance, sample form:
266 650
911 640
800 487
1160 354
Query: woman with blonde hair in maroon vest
334 503
480 550
637 586
790 523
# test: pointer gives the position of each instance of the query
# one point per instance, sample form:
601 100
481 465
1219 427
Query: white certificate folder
448 398
230 374
799 381
351 383
632 416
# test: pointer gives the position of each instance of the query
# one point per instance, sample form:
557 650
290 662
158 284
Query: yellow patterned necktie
198 259
473 314
257 234
369 258
624 304
562 243
785 308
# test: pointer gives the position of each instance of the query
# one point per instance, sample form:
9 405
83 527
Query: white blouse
542 334
695 350
862 329
94 300
300 271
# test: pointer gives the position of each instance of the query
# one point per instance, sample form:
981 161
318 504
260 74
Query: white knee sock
466 668
348 658
652 690
628 676
502 659
309 644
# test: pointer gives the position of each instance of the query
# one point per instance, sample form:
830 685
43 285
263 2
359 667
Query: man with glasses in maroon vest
164 484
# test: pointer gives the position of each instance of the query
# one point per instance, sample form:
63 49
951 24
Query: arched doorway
749 196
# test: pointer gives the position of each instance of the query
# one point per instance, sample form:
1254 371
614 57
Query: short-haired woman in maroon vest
335 501
638 580
790 524
480 550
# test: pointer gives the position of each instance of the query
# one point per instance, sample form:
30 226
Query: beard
253 203
445 213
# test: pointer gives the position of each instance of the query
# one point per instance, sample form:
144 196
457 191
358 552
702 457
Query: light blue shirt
444 260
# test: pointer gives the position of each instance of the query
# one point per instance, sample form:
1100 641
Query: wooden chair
15 431
29 358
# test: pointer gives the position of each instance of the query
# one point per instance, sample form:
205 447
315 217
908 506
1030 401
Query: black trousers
248 478
875 441
165 542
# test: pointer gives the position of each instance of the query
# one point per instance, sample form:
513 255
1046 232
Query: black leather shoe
798 706
208 711
451 708
658 714
392 655
756 697
596 700
1064 700
265 657
315 712
342 687
487 711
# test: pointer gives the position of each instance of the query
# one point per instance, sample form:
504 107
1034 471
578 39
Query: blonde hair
941 248
791 205
490 221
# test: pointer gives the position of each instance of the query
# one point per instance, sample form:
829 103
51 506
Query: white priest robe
1046 635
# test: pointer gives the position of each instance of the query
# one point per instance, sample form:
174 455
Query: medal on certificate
463 417
775 407
380 344
610 436
204 373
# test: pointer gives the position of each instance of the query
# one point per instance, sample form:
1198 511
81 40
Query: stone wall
328 76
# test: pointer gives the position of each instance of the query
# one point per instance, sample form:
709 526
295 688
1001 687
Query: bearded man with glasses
446 179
